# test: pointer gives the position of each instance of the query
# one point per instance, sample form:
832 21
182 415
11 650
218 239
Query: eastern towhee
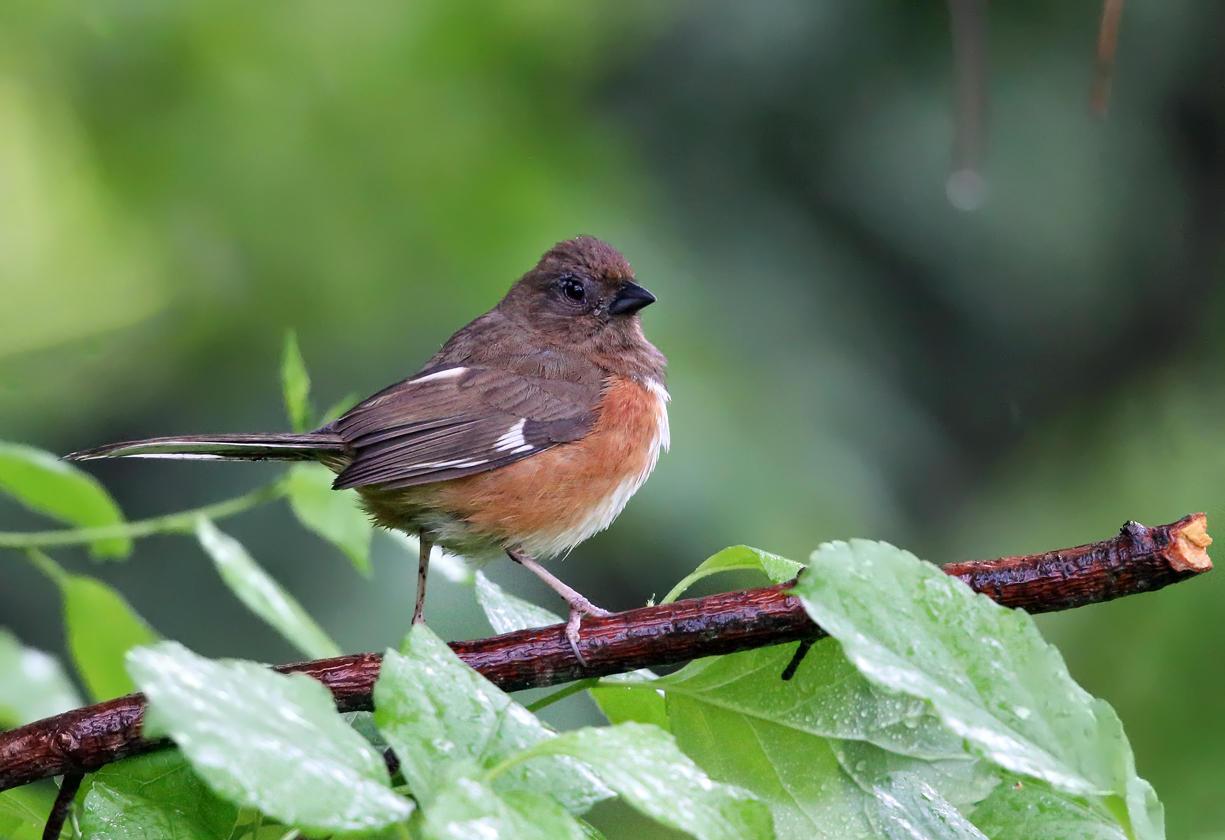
526 433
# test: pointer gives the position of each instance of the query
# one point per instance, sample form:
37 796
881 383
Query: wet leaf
266 740
23 812
45 484
826 697
151 797
738 558
507 613
985 669
910 809
436 712
466 809
263 595
33 685
643 765
1030 810
907 795
742 723
630 697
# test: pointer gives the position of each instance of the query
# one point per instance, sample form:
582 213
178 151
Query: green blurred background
850 354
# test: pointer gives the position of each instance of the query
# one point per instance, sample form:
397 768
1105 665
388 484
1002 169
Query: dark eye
573 289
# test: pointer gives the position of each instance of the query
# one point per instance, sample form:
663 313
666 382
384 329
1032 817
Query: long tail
317 446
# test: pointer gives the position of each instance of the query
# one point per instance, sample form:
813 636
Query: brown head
582 295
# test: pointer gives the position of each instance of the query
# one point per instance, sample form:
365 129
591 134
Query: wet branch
1138 559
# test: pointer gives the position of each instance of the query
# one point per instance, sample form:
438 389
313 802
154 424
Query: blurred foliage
849 354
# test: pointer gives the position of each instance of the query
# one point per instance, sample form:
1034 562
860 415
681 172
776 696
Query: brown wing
459 420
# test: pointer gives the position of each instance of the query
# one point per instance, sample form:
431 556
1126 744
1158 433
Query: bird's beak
631 298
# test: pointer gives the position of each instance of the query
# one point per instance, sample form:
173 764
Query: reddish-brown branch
1139 559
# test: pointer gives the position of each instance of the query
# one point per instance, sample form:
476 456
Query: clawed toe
579 606
577 611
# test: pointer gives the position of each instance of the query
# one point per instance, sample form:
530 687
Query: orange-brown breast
551 501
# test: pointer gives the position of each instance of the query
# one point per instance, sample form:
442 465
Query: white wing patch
442 374
513 441
457 464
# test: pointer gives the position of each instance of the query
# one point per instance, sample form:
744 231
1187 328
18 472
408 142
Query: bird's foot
580 607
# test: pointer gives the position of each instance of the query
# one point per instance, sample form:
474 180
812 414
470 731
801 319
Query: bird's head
581 289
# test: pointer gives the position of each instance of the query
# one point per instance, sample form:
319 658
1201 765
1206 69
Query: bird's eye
573 289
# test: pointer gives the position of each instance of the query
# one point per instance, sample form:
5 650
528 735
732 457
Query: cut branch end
1190 550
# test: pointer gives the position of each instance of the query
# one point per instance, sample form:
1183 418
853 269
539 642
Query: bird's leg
423 569
579 606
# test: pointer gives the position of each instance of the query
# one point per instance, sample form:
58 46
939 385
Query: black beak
631 298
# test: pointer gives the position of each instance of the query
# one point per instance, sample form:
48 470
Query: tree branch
1139 559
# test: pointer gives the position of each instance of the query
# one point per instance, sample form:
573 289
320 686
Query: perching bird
526 433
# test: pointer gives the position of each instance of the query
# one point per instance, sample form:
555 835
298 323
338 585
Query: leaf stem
181 522
1117 806
542 748
507 763
561 694
693 577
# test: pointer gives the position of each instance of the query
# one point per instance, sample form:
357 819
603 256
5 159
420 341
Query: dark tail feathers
316 446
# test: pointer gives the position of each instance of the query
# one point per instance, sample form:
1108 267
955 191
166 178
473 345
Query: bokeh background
851 355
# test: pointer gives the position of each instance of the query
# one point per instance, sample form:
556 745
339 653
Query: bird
525 434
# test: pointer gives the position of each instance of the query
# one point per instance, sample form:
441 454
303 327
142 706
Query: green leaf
799 778
985 669
33 685
151 797
335 515
907 799
23 812
436 712
45 484
962 781
590 831
738 558
909 808
742 723
1030 810
643 765
507 613
101 628
630 697
295 384
263 595
827 697
466 809
266 740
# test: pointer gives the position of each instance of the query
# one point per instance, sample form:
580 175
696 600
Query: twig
1139 559
1107 40
801 651
54 826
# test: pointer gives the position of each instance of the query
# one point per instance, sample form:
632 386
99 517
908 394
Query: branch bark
1138 559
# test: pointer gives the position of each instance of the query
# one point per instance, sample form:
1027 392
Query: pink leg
579 606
